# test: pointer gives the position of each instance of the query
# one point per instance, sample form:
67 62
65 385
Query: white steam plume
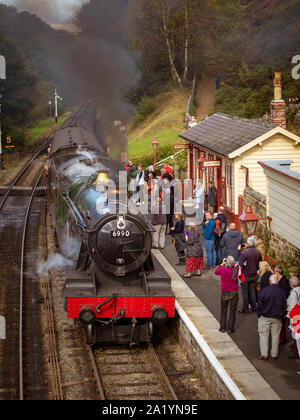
56 261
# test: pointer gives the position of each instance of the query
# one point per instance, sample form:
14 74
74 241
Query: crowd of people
294 101
267 292
156 184
240 264
191 121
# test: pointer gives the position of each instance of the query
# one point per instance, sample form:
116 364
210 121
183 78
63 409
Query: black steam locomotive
114 286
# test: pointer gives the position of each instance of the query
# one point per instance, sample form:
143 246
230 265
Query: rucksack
238 274
218 229
223 227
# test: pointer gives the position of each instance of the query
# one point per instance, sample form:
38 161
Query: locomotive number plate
120 234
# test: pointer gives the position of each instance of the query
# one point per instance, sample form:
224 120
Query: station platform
237 355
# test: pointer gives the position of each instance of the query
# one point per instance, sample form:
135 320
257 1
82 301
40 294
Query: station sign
9 143
212 164
181 146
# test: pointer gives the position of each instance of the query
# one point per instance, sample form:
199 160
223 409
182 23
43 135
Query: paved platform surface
239 353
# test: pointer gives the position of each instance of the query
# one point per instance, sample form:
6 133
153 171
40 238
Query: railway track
14 188
46 358
123 373
20 354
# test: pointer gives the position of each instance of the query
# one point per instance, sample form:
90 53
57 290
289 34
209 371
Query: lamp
155 146
202 160
249 221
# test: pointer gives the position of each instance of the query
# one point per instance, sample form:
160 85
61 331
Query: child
179 235
194 253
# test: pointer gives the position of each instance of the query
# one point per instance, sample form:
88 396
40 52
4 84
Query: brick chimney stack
278 105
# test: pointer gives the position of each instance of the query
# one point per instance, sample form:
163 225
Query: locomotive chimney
278 105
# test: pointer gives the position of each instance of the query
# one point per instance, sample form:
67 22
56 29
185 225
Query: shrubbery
146 106
252 92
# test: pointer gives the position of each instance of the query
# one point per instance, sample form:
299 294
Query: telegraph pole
3 77
56 107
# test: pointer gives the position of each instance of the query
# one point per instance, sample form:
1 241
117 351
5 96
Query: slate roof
283 168
224 134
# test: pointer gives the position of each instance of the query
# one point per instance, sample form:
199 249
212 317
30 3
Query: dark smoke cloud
102 71
95 64
51 11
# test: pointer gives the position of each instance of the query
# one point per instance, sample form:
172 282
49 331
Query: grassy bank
42 128
165 123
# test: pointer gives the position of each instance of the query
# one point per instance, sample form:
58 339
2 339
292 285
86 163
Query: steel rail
97 374
154 357
163 373
26 219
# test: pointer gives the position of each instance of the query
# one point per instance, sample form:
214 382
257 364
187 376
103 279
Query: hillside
258 11
165 123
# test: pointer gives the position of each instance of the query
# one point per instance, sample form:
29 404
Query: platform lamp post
249 221
155 146
3 77
201 162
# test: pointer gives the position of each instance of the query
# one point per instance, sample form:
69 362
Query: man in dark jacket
132 168
249 262
271 310
221 217
212 198
284 285
168 200
231 241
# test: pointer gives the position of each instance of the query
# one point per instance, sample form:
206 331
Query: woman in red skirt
194 253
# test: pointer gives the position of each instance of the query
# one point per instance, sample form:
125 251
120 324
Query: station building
227 150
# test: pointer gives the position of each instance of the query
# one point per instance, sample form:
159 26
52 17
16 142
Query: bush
145 107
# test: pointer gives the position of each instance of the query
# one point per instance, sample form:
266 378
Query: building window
229 186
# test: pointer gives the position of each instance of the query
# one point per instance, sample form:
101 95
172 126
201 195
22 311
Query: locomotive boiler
114 286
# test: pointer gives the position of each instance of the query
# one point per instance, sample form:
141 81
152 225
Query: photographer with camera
230 296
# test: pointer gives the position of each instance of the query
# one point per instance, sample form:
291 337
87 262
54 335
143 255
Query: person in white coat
139 186
199 194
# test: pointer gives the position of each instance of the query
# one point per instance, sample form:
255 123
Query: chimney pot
278 105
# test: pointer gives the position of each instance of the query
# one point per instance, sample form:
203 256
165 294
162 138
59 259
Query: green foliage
272 253
33 51
243 102
145 107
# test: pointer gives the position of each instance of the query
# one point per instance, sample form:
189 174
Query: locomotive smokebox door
120 244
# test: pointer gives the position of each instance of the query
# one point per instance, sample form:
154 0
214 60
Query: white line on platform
2 328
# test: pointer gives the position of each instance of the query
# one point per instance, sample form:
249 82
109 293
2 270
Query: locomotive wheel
89 334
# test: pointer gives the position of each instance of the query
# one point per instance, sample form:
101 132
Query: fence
192 96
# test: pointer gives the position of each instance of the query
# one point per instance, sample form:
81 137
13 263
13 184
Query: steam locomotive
114 286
